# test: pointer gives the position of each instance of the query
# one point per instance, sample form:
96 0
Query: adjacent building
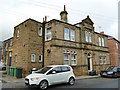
77 45
114 48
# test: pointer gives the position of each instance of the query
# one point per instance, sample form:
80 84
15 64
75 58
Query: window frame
16 58
68 34
90 39
40 31
101 61
67 59
99 38
47 34
39 58
71 34
86 36
102 40
18 31
74 59
33 58
104 59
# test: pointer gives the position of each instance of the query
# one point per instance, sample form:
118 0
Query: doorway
89 63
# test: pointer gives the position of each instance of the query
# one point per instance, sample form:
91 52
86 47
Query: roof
27 20
8 39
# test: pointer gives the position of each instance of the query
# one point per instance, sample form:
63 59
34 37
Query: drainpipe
43 33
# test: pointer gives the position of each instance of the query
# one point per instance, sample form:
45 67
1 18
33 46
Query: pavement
7 78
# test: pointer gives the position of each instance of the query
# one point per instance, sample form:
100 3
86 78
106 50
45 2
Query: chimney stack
102 32
63 15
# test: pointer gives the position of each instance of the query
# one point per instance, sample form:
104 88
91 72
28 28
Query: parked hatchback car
50 75
111 72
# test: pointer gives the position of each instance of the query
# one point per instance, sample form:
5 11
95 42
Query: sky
104 13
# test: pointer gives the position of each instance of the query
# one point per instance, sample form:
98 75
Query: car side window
65 69
57 69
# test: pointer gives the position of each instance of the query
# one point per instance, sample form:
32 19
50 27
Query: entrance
89 63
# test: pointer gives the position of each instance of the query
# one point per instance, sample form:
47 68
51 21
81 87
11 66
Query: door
89 63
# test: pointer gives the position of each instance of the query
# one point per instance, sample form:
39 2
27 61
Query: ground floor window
33 58
66 59
40 58
100 59
73 59
104 60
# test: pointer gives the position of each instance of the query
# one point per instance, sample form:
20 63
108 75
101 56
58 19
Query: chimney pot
64 8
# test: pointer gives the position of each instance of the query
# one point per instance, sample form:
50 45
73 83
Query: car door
54 78
65 73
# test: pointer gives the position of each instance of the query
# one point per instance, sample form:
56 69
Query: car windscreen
43 70
109 69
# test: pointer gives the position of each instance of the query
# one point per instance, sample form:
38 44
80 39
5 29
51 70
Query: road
84 83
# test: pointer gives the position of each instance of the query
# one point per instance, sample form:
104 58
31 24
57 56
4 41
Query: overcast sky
104 13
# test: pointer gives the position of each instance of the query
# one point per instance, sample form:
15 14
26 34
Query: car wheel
71 81
43 85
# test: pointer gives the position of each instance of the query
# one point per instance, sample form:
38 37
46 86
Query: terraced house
77 45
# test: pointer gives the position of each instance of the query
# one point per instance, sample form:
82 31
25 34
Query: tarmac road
84 83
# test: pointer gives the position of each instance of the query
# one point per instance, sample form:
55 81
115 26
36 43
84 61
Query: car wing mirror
53 72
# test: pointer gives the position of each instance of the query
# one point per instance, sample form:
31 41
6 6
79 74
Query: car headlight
34 79
109 72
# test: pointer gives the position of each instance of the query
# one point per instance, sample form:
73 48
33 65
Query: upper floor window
18 32
15 58
66 33
99 41
90 37
72 35
6 46
116 45
33 58
102 41
48 34
86 36
40 31
10 42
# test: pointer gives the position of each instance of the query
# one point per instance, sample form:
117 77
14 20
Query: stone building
77 45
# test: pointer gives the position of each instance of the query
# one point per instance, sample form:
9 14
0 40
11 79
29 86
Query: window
100 59
18 32
33 58
90 37
6 46
104 60
65 69
65 51
66 33
15 58
73 59
40 31
57 69
86 36
10 42
116 45
68 51
66 59
72 35
102 41
48 34
40 58
99 41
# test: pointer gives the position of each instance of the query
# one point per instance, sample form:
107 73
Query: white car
50 75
